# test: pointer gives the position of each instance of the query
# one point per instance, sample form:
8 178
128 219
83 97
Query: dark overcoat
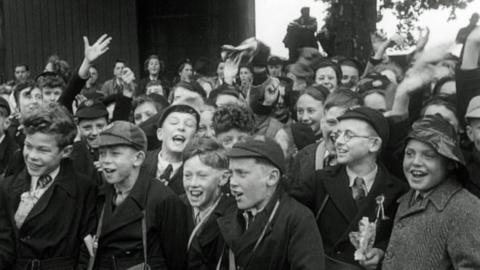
340 216
207 245
291 241
53 231
120 242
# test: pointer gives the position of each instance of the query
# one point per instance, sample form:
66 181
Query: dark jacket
82 159
340 215
55 227
150 167
207 245
7 148
120 241
291 240
468 86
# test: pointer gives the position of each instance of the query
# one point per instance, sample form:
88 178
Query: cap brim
473 114
109 140
239 153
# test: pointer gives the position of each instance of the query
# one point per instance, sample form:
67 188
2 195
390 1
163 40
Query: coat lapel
129 210
340 193
63 181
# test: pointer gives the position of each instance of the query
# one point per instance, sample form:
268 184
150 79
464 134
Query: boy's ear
470 133
224 177
66 151
376 144
6 123
273 177
139 158
160 134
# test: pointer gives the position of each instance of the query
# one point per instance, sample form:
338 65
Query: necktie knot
165 176
43 181
359 189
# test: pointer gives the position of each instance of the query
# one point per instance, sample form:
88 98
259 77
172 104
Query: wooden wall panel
35 29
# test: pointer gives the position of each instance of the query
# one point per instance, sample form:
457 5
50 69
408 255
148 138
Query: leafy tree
350 23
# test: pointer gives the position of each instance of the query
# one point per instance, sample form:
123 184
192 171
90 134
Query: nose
194 181
417 160
303 117
233 181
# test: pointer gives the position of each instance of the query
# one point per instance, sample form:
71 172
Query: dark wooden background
31 30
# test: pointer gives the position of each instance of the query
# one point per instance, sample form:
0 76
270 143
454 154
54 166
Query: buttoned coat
121 235
340 215
291 241
55 227
442 232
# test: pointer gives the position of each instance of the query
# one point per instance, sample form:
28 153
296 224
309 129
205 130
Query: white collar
369 178
52 174
163 164
2 138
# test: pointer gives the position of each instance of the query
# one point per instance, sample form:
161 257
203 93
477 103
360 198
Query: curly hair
52 119
208 150
233 117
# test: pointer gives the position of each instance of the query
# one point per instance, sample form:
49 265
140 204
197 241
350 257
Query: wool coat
442 232
291 241
120 242
340 215
53 231
207 244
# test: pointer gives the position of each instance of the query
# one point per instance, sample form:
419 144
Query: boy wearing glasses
340 196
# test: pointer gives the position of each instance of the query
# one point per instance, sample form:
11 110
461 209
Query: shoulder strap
96 237
144 236
322 206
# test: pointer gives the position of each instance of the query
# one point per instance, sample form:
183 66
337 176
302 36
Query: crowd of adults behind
248 161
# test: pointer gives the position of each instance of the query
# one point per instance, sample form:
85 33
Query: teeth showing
109 170
196 193
341 151
178 139
418 173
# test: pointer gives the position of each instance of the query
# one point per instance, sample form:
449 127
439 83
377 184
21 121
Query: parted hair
209 151
53 119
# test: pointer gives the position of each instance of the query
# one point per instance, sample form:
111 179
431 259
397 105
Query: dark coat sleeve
7 242
468 86
304 256
75 85
123 108
174 231
305 191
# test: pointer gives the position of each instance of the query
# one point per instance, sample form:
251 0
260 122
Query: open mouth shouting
418 174
179 140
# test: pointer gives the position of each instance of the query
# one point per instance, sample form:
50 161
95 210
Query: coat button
128 252
339 252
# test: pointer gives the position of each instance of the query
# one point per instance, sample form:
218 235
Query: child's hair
52 119
160 62
19 87
233 117
317 92
51 82
343 98
336 68
158 101
209 151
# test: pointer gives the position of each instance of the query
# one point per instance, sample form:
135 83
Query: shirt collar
2 138
52 174
369 178
162 165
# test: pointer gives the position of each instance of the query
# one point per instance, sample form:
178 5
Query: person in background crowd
329 75
226 94
342 195
285 98
145 107
205 128
232 124
8 146
52 87
22 73
219 79
115 85
91 118
92 86
301 75
205 173
59 66
275 66
351 71
155 87
464 32
300 33
310 108
48 208
245 75
176 127
136 208
184 91
293 241
436 225
185 71
155 69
